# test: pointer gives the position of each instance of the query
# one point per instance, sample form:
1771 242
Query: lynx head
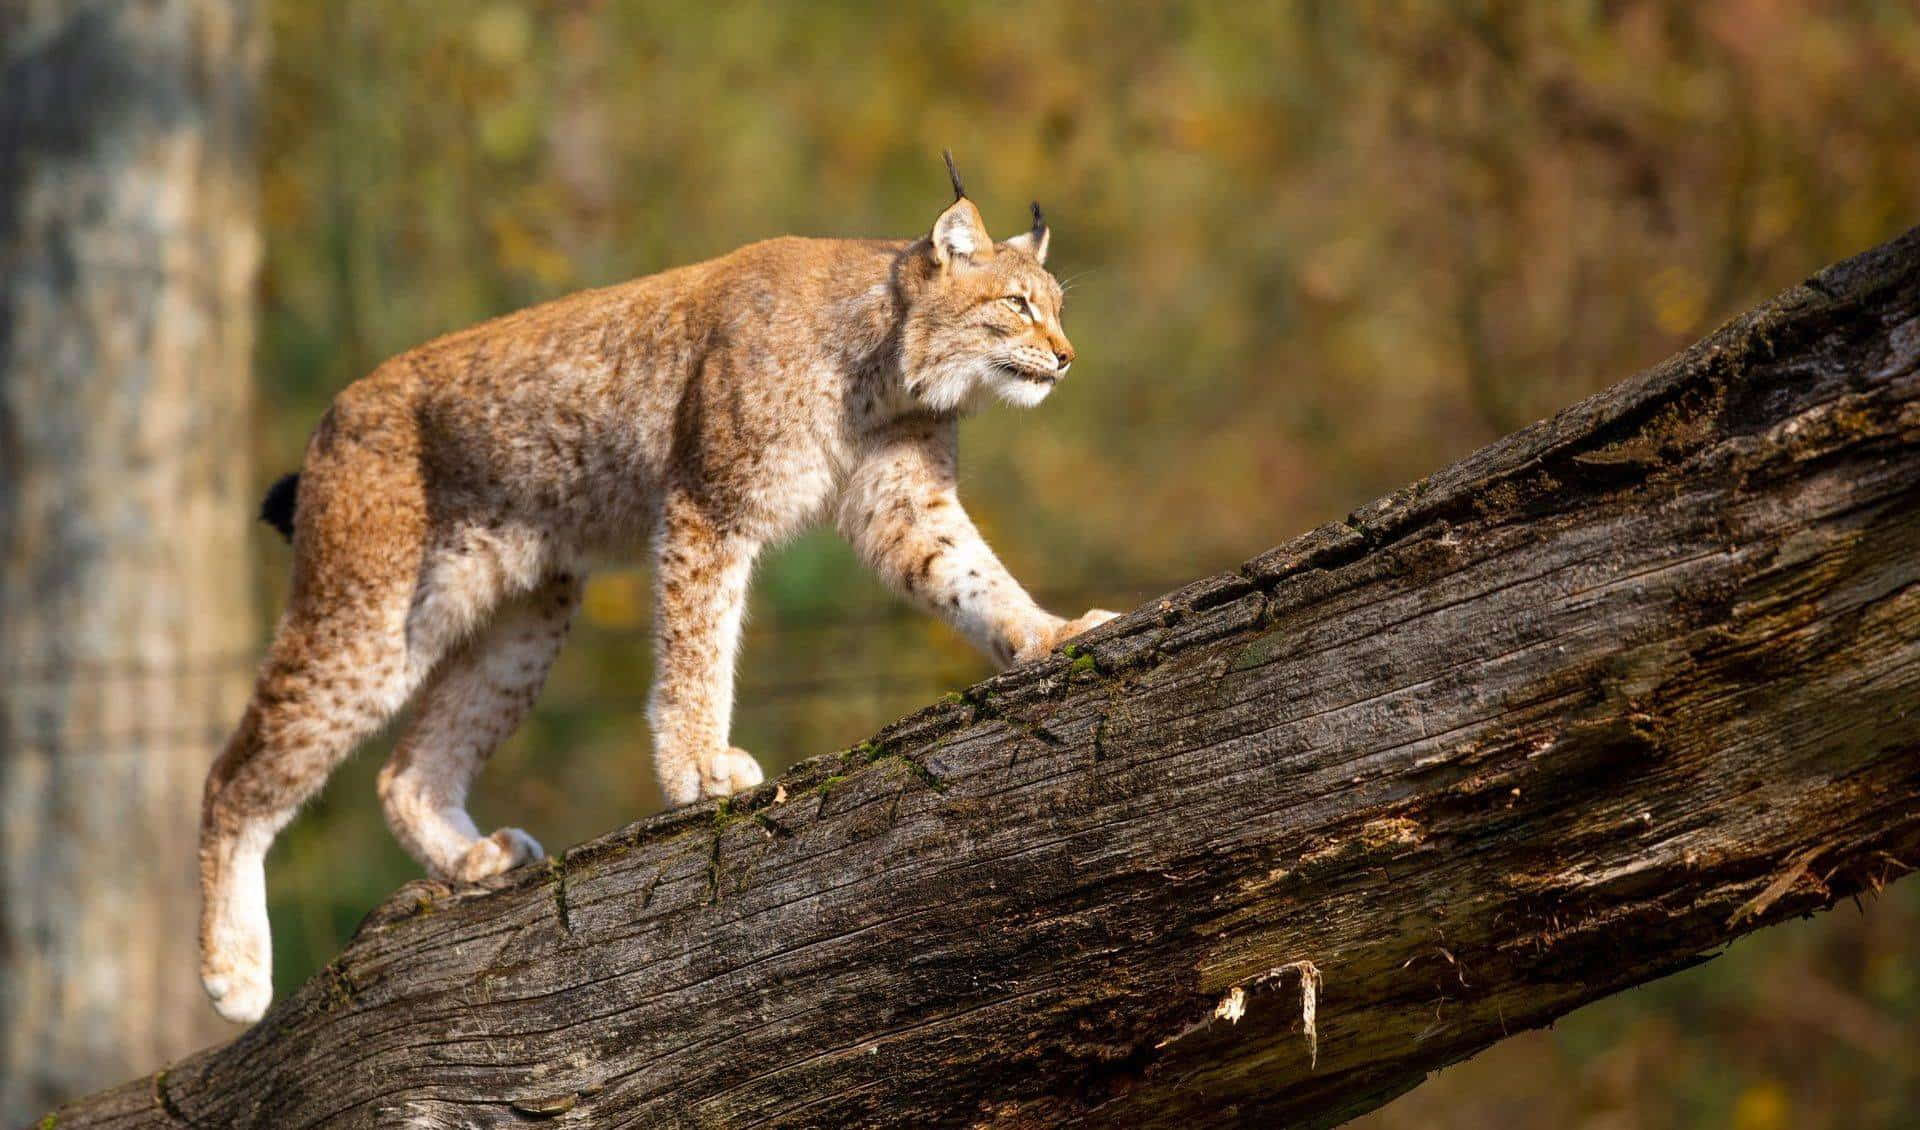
981 317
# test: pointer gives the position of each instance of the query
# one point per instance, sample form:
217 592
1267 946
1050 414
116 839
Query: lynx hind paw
241 985
727 773
497 854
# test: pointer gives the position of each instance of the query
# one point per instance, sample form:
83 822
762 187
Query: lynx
450 501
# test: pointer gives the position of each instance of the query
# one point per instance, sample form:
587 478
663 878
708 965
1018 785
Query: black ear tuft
1039 220
959 190
277 508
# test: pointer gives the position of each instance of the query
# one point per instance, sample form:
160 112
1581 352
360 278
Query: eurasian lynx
448 503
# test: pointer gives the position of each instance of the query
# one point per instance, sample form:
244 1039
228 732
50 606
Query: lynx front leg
700 595
901 513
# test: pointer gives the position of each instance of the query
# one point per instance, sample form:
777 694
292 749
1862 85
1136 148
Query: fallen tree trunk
1559 719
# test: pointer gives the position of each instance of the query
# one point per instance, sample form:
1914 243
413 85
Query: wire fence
65 693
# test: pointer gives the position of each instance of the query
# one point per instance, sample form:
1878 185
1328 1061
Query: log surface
1562 718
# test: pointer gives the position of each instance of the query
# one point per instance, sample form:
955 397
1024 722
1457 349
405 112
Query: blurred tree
128 253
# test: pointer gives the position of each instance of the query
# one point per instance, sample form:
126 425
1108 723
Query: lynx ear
1034 242
959 233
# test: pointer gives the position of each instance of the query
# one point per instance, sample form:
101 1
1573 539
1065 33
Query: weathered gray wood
1564 717
128 250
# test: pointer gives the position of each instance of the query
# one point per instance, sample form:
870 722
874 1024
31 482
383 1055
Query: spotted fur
449 504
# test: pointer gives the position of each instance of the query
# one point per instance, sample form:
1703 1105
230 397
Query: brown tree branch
1564 717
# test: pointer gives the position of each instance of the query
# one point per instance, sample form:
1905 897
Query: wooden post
128 250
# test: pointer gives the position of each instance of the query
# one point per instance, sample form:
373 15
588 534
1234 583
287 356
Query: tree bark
127 256
1564 717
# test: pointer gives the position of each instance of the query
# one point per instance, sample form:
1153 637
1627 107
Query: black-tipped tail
276 509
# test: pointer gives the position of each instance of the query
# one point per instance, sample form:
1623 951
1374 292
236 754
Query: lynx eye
1020 306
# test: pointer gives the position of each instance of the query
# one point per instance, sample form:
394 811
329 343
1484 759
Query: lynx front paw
727 773
1087 623
503 851
1044 639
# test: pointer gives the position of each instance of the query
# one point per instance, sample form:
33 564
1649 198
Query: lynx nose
1062 361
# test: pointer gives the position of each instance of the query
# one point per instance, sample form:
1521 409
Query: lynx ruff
448 501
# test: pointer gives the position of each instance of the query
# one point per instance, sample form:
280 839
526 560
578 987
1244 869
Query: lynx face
982 318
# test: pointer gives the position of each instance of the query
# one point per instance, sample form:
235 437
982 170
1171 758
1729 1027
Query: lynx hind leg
476 698
328 683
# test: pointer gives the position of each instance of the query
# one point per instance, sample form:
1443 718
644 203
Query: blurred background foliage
1315 250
